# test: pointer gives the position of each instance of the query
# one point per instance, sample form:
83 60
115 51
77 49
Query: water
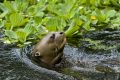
77 64
11 68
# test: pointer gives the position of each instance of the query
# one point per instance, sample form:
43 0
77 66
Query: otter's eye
52 36
61 32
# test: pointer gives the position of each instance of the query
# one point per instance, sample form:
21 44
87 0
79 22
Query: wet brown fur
50 49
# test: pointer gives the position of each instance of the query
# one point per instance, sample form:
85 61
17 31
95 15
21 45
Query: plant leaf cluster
25 21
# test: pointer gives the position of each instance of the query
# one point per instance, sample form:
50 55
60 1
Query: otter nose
61 32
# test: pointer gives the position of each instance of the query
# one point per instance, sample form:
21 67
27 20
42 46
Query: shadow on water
77 64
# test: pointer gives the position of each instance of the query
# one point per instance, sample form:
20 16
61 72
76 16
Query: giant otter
50 49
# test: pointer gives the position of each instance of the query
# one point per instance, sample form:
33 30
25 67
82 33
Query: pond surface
11 68
77 64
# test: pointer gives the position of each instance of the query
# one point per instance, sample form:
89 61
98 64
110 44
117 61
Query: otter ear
37 54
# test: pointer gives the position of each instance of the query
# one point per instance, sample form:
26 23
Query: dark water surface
14 65
77 63
11 68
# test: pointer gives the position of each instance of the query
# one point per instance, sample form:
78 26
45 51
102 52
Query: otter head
57 38
50 48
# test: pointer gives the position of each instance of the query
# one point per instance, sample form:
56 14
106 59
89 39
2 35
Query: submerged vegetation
26 21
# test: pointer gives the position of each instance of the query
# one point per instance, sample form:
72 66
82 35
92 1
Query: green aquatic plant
25 21
98 44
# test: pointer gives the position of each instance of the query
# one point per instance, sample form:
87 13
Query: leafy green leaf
100 15
39 14
2 7
3 14
87 26
73 28
31 10
37 20
111 13
10 34
28 29
9 6
61 24
21 36
2 23
20 5
45 20
54 24
16 19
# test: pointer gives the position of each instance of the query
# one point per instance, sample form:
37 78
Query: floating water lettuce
29 20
